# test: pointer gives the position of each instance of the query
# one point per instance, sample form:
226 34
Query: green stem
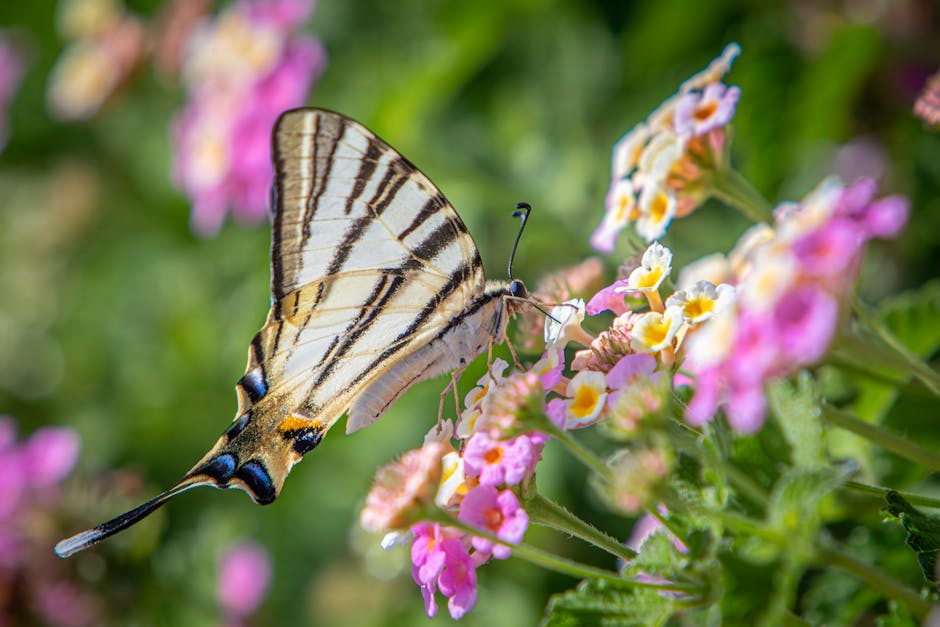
562 565
879 493
550 514
882 347
875 579
882 437
733 189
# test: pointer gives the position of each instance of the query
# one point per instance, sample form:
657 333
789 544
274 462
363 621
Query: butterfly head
516 288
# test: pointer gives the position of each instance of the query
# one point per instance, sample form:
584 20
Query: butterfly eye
517 288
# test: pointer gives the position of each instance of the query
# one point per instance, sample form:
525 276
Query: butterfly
376 284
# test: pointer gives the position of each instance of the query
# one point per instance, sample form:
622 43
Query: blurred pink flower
11 71
243 69
49 455
791 289
244 576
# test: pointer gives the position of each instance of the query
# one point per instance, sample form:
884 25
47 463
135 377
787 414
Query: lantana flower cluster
793 281
724 329
36 586
660 168
241 70
479 485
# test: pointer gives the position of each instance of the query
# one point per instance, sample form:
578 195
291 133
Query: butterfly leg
515 357
454 376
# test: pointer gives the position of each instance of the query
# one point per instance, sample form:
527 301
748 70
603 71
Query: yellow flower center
585 400
624 204
651 278
494 455
699 306
658 206
706 111
657 331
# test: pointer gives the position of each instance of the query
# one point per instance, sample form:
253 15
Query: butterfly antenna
523 209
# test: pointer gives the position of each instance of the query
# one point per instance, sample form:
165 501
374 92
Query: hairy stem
882 437
733 189
546 512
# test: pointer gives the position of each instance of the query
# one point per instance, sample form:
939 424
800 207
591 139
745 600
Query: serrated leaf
923 533
912 317
795 512
659 555
796 408
599 603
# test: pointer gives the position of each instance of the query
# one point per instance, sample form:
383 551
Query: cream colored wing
369 263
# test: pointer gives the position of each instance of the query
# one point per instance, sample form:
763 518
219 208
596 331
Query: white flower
740 256
654 331
657 209
654 268
627 151
453 480
715 71
659 156
587 394
702 301
564 325
711 343
713 268
770 274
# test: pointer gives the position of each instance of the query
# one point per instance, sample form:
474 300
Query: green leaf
923 533
912 317
599 603
659 556
796 408
795 511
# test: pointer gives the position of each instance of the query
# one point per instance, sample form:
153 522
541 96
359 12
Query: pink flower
401 488
831 250
746 407
244 575
700 112
629 369
609 298
49 455
458 580
704 402
805 321
427 558
440 559
497 512
11 71
499 462
222 137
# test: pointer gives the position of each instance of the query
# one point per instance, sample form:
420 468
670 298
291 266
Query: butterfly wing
368 260
376 284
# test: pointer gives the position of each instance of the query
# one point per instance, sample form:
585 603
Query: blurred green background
118 321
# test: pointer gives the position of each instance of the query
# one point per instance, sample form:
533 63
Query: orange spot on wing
296 423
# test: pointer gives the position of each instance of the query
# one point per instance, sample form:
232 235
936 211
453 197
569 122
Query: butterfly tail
85 539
